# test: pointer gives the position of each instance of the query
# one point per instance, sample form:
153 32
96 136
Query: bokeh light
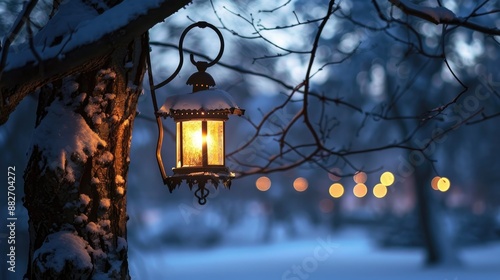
263 183
360 190
360 177
443 184
335 174
380 190
336 190
434 182
326 205
387 178
300 184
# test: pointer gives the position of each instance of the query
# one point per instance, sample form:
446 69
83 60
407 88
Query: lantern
200 127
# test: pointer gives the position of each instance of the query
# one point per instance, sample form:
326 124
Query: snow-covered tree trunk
75 182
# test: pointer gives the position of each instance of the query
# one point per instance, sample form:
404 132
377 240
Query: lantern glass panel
215 142
192 141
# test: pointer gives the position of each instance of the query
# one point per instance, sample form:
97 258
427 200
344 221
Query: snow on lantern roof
204 100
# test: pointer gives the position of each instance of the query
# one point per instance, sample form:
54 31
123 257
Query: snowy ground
346 255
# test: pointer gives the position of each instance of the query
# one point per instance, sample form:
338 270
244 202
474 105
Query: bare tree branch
441 15
16 29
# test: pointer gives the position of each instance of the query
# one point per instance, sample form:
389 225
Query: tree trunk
437 228
75 181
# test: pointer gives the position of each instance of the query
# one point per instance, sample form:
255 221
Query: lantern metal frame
201 81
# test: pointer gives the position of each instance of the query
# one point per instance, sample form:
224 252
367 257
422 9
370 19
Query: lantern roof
216 100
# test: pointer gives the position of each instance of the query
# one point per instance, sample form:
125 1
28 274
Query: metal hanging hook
200 24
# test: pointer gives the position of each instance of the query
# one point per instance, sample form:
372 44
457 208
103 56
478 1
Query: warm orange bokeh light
360 190
434 182
300 184
336 190
326 205
387 178
379 191
335 174
263 183
443 184
360 177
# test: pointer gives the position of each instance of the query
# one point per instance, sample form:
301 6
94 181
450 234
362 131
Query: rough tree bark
75 196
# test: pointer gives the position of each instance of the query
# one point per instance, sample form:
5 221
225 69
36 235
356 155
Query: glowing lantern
200 118
200 123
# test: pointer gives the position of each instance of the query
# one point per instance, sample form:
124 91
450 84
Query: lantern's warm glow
387 178
443 184
263 183
336 190
380 190
360 190
300 184
215 142
192 139
360 177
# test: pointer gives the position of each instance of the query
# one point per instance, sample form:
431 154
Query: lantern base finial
200 179
201 193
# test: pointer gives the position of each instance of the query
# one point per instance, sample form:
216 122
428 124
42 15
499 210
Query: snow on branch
441 15
85 47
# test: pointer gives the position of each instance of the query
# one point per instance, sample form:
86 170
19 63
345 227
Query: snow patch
65 140
95 180
129 65
105 203
108 74
106 157
69 86
84 199
121 244
119 180
211 99
63 250
120 190
80 219
97 118
439 14
65 21
80 24
94 106
93 228
115 118
100 87
105 224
